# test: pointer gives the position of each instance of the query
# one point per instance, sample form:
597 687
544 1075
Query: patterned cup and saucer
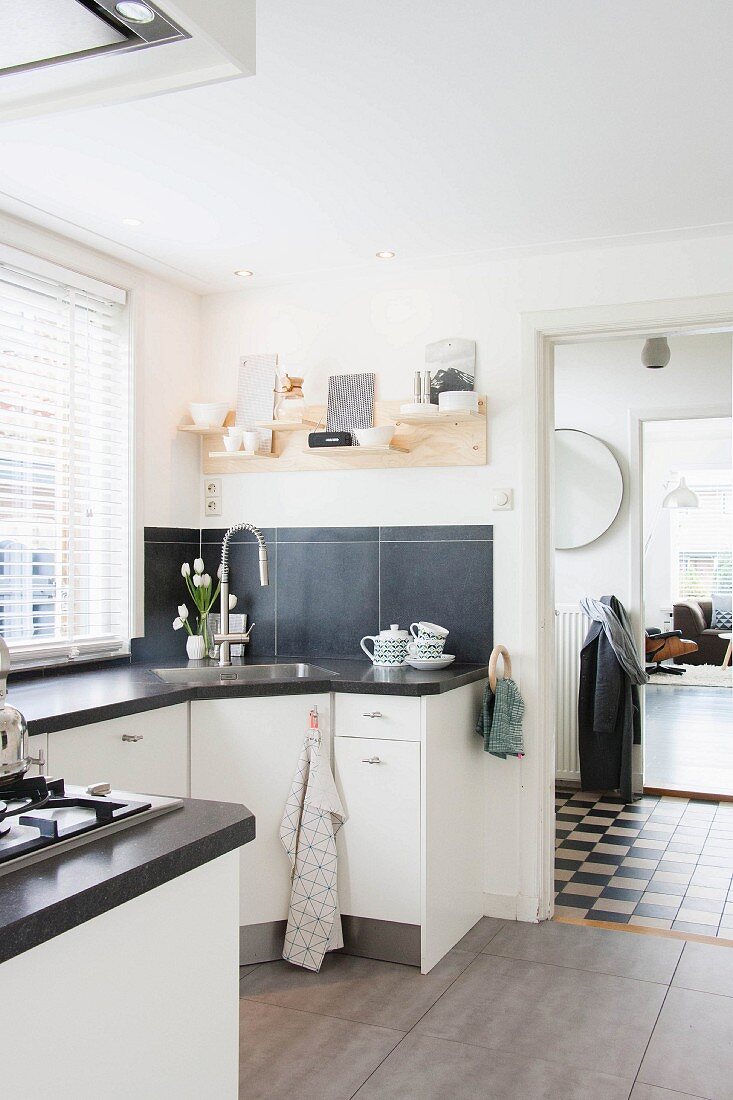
425 651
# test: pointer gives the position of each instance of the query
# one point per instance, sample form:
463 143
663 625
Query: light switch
502 500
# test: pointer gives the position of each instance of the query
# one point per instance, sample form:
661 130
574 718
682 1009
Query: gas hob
40 817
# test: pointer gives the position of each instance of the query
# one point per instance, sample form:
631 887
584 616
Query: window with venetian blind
65 460
702 538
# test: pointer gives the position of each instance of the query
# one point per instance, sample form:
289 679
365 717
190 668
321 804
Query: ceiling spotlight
386 255
134 11
655 353
131 221
243 273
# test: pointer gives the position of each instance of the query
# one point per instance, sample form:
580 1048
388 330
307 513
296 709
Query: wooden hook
497 652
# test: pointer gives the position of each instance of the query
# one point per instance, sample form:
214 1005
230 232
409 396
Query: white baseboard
511 907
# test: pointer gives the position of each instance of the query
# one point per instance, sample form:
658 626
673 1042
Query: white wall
380 320
596 386
671 448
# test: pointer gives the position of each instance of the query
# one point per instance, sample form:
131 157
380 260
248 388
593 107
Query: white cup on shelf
250 441
232 442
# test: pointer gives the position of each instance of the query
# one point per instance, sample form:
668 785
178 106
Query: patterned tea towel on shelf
500 720
313 816
350 402
256 396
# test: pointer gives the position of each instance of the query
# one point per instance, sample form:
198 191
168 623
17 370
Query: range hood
37 33
60 55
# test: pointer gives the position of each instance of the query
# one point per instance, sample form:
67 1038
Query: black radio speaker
330 439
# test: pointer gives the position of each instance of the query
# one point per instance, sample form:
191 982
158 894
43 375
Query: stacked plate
423 663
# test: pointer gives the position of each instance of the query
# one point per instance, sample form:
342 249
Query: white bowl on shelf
208 414
417 408
458 401
375 437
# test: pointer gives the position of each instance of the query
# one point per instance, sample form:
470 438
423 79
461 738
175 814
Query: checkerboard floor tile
661 862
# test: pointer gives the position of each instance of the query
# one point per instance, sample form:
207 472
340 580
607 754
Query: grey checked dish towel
313 816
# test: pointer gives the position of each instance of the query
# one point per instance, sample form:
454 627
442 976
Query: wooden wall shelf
445 439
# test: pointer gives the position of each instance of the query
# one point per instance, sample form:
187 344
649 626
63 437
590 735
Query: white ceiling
431 127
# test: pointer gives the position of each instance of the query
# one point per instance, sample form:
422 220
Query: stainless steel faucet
224 639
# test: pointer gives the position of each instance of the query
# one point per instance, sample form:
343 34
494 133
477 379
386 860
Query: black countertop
50 897
78 698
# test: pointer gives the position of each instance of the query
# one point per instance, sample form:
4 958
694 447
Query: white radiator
571 627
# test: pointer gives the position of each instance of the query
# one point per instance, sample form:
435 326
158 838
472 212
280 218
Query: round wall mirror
588 488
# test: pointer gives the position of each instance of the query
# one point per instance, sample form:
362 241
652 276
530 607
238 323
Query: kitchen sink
242 674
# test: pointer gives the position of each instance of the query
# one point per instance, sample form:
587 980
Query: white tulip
218 573
232 602
198 565
206 580
177 624
197 582
182 611
185 569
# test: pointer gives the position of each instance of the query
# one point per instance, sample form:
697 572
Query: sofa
693 618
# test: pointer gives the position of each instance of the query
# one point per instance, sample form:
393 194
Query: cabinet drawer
389 717
379 844
144 753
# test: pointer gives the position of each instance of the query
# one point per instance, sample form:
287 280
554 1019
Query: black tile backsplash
329 586
328 594
444 582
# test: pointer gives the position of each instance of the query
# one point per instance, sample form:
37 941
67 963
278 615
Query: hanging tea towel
313 816
500 720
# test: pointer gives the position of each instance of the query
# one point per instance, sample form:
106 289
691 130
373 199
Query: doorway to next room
643 590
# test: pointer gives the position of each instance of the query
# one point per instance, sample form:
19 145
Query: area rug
696 676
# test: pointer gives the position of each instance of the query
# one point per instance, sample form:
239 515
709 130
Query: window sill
60 666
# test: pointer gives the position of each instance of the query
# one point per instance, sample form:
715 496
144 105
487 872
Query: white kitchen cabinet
247 750
146 753
379 846
411 854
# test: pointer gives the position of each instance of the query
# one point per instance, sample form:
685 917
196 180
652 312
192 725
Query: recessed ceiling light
135 11
386 255
243 273
131 221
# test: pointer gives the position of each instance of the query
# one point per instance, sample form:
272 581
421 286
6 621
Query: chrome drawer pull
371 760
132 737
372 714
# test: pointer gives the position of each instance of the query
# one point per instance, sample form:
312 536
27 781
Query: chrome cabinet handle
371 760
40 760
132 737
372 714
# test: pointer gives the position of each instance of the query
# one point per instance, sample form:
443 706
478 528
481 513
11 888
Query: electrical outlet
212 487
502 500
212 506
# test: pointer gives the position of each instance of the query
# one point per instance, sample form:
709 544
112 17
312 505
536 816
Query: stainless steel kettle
14 758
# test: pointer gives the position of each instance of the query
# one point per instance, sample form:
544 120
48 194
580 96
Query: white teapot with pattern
390 647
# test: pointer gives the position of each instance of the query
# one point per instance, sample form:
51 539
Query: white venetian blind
64 463
702 538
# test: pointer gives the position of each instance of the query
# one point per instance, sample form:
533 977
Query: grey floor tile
641 1091
707 968
691 1048
597 1022
352 988
485 930
434 1069
647 958
249 968
283 1054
